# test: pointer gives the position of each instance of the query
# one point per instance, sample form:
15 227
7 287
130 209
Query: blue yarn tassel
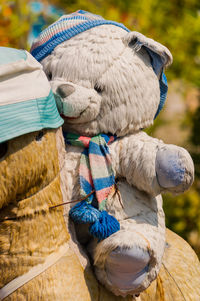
84 213
105 226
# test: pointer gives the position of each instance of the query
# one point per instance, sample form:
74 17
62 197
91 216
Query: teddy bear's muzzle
76 103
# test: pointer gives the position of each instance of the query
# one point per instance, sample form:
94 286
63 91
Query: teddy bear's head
106 79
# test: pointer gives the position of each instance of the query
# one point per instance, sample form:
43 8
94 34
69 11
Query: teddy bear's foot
127 268
125 262
174 168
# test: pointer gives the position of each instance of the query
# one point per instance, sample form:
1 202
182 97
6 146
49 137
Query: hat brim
28 116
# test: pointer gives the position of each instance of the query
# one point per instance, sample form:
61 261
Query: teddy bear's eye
3 149
39 136
98 88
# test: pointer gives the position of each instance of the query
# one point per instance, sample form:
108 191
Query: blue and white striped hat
27 103
64 29
70 25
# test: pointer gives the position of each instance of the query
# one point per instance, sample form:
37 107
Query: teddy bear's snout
68 100
78 103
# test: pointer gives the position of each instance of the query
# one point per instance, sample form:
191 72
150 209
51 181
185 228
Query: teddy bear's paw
174 168
127 268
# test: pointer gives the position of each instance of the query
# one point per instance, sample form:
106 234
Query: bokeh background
176 24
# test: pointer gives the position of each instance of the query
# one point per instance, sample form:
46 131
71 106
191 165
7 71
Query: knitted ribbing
64 29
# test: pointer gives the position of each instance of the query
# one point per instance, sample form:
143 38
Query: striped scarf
95 173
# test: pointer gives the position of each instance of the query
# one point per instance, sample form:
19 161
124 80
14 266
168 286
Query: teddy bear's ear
160 56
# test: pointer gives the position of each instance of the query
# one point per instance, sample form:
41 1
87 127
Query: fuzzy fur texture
115 90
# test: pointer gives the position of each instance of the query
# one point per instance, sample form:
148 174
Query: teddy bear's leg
130 259
130 267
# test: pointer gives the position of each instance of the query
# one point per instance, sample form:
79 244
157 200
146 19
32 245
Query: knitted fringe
105 226
83 213
102 224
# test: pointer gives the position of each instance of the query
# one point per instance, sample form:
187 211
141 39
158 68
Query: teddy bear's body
109 81
141 217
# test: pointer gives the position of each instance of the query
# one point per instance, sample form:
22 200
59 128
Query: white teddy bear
109 85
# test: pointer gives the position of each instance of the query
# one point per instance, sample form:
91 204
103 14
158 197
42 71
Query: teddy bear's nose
65 90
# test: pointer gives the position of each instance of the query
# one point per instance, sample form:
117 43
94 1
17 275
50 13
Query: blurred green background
176 24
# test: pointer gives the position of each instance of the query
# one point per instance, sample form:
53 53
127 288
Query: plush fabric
38 232
30 182
101 60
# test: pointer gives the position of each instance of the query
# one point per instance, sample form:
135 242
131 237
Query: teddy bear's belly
128 206
129 202
137 211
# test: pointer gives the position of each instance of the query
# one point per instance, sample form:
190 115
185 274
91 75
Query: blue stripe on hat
45 49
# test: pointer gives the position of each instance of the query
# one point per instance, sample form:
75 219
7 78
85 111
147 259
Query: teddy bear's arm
152 166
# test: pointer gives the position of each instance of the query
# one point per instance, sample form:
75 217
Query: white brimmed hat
26 100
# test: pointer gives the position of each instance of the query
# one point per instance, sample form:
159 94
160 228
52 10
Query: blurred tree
15 22
195 139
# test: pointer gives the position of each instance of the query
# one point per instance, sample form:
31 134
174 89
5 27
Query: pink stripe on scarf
103 194
85 140
85 172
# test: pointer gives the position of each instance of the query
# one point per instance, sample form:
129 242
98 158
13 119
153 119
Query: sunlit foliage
15 22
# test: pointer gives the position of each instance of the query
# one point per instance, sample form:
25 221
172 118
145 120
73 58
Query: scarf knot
95 173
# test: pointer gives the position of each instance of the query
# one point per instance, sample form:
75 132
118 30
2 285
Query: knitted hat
70 25
64 29
27 103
